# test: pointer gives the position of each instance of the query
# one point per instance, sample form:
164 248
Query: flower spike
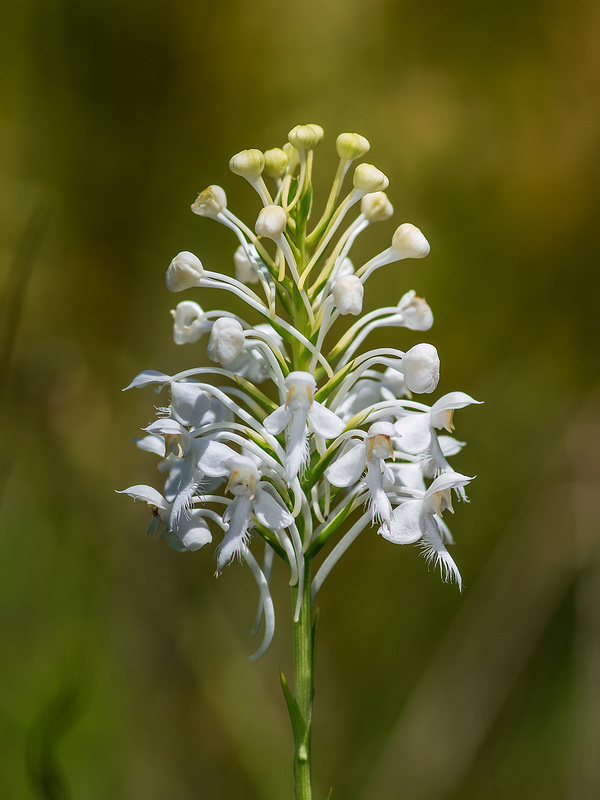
292 432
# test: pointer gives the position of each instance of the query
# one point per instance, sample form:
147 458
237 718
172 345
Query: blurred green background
123 665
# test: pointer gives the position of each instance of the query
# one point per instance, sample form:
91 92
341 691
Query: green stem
303 689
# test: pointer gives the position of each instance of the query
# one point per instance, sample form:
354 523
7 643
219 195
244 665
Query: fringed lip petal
297 449
237 535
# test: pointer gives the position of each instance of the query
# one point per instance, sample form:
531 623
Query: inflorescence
292 438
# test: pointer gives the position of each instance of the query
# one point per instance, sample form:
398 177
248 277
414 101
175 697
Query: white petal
152 444
146 493
410 475
414 432
348 468
325 422
449 445
214 458
147 378
364 393
193 532
167 427
278 420
189 402
269 512
387 472
406 525
448 480
453 400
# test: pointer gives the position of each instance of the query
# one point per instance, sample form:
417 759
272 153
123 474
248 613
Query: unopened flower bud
376 207
416 312
189 322
245 271
351 146
409 242
276 162
345 268
348 293
319 133
271 222
249 164
210 202
226 340
368 178
292 155
421 367
305 137
184 272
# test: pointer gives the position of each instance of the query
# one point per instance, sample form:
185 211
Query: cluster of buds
290 438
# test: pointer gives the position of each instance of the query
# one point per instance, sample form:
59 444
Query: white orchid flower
250 497
301 408
251 362
419 520
187 449
369 455
189 534
419 437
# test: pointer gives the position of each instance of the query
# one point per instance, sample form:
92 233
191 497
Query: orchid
369 455
285 432
301 408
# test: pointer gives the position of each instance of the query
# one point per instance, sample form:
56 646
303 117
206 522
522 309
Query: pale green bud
271 222
249 164
368 178
376 207
210 202
276 162
305 137
319 133
351 146
410 242
292 155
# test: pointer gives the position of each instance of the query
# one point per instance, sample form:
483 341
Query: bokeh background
123 665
